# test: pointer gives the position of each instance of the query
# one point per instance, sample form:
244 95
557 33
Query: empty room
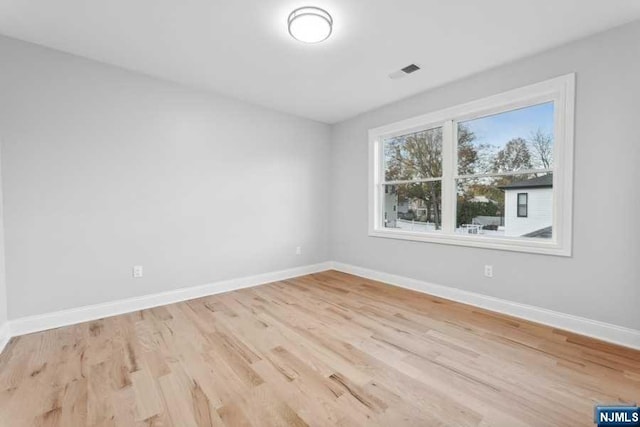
324 213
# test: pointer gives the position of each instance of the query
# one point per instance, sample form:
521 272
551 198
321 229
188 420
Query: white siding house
528 207
390 207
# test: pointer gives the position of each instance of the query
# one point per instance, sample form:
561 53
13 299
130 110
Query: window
522 204
413 180
492 173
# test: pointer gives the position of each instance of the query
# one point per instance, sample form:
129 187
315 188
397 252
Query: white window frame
560 91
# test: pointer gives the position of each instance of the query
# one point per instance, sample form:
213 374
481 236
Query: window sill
531 245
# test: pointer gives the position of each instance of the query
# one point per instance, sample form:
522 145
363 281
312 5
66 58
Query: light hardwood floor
324 349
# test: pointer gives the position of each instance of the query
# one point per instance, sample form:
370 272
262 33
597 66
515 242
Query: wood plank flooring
325 349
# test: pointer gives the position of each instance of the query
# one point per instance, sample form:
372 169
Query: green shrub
467 210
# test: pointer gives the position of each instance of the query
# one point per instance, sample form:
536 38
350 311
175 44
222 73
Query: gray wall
602 280
3 286
104 169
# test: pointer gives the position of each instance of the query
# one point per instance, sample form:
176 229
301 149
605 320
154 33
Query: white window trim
560 90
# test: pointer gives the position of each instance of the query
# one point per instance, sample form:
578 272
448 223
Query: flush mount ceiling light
310 24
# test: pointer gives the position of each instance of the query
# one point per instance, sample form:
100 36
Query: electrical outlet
488 270
137 271
298 250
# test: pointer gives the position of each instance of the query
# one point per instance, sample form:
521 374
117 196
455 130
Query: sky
499 129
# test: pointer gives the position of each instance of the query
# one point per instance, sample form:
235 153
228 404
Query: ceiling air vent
411 68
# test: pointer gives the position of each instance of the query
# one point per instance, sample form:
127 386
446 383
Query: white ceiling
241 47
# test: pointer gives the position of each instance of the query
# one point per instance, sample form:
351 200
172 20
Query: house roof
546 232
537 182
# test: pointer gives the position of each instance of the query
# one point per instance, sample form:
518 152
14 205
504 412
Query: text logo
617 416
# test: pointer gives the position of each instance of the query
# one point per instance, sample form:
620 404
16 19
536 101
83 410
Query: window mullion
448 185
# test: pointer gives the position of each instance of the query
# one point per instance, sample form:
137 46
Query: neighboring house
405 213
390 207
528 207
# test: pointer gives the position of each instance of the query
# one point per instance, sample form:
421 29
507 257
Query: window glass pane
522 198
416 155
413 207
507 142
489 206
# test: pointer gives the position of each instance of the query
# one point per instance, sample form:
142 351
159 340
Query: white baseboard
5 336
592 328
41 322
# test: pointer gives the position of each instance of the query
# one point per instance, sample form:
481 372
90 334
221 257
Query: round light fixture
310 24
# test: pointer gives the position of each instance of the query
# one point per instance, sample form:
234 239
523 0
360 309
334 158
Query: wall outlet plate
488 270
138 271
